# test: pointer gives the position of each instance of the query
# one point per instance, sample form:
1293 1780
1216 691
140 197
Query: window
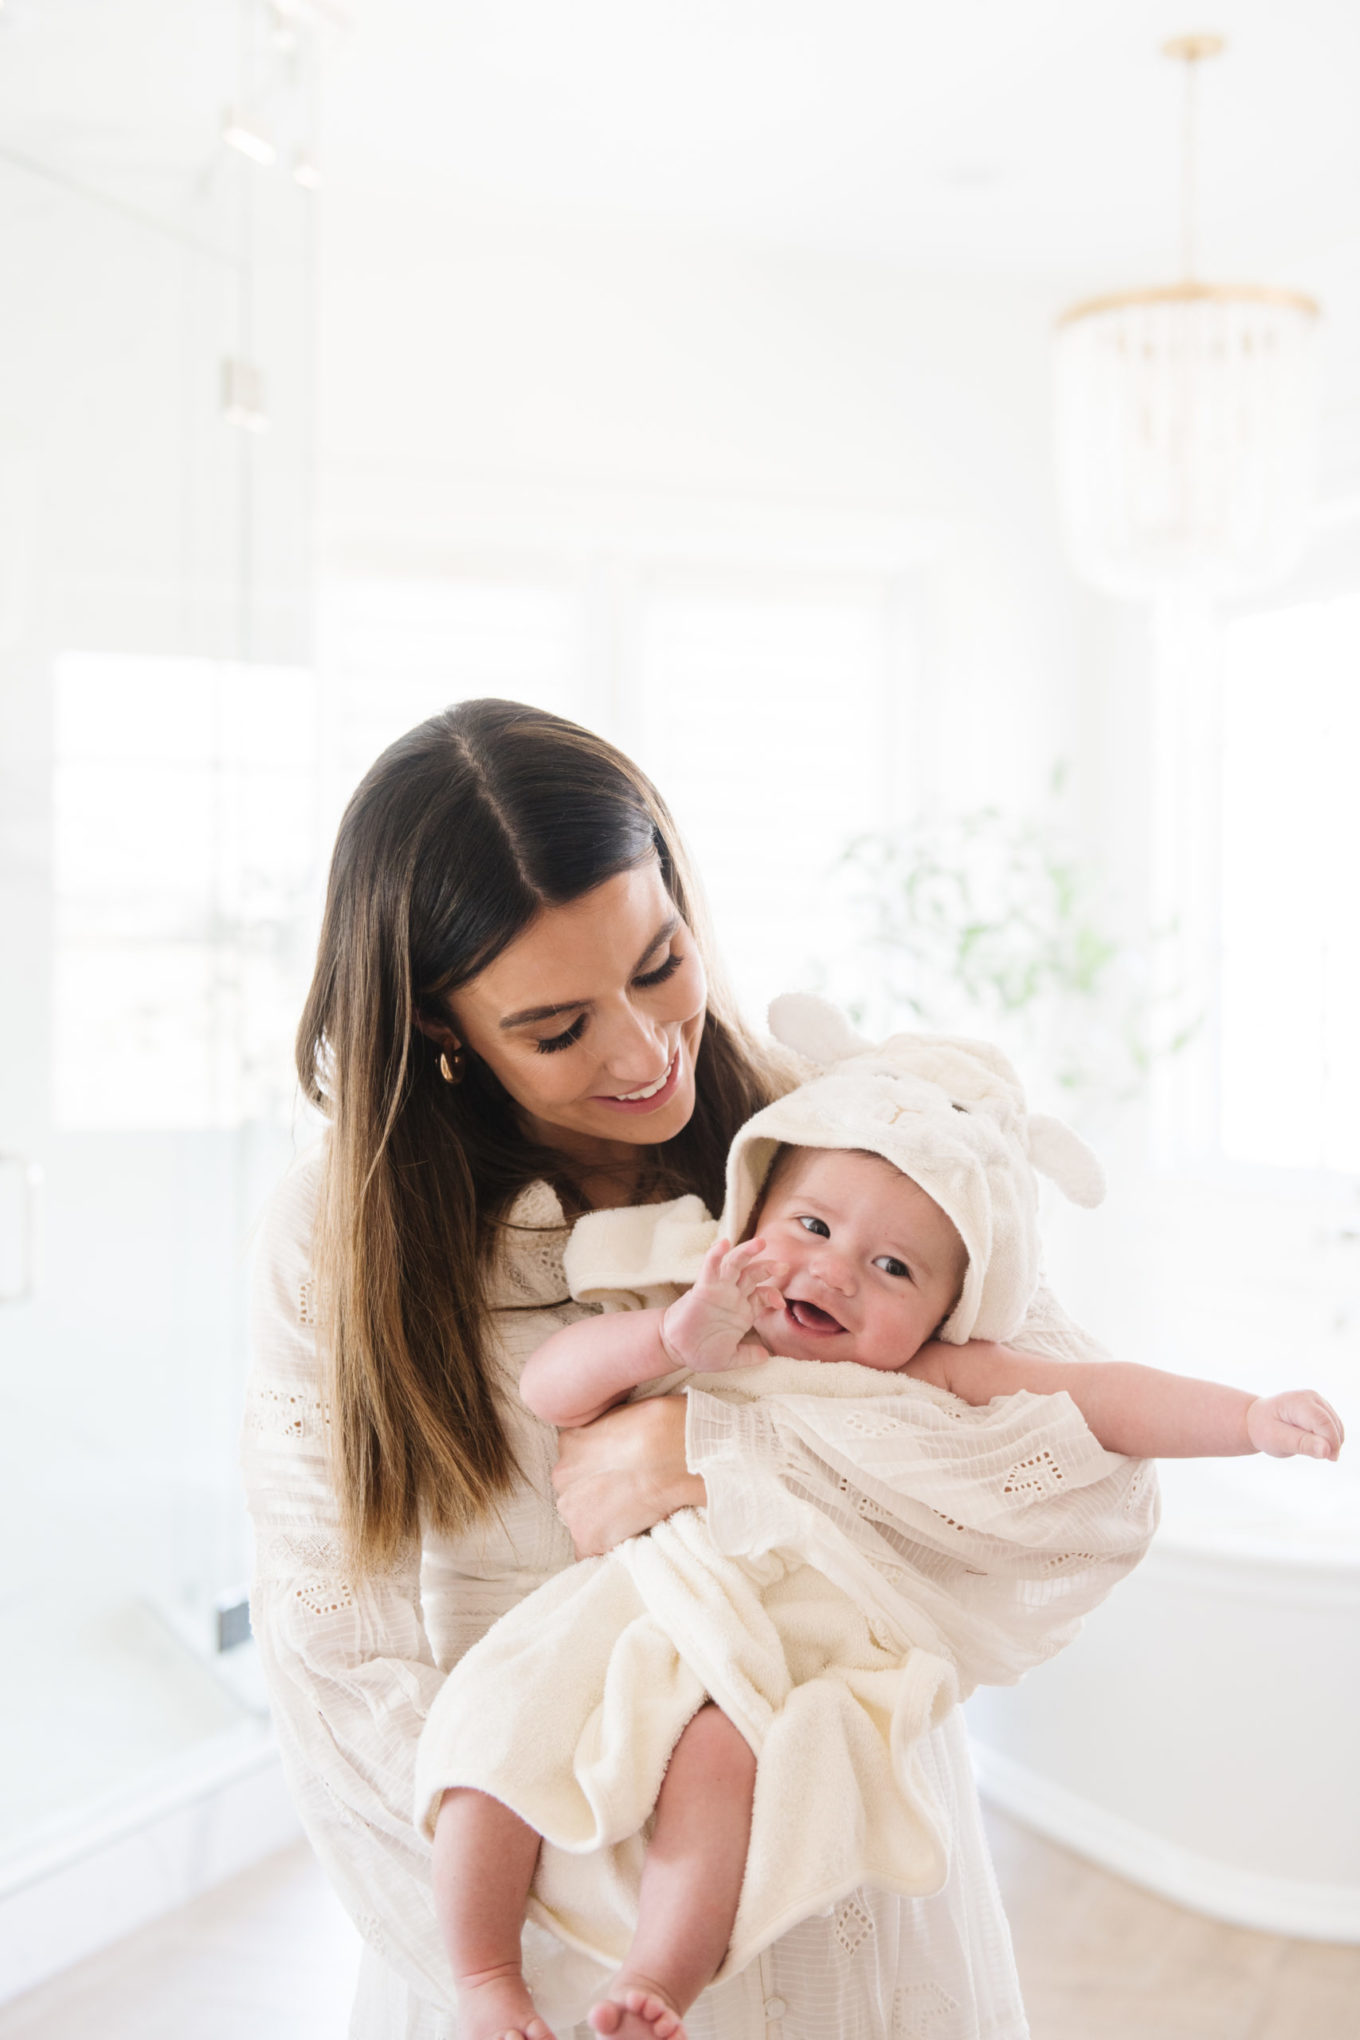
765 715
1289 998
394 652
184 850
195 805
196 801
763 704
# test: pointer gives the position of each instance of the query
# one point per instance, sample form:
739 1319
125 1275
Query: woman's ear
439 1031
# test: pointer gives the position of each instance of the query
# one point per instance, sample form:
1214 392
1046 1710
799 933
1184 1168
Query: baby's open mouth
809 1318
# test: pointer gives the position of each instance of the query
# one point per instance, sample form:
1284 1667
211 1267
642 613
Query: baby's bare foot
498 2007
636 2010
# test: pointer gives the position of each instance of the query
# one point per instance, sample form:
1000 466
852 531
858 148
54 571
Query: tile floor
270 1957
267 1956
1101 1959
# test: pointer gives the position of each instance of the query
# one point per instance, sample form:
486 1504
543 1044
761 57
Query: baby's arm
1141 1411
583 1370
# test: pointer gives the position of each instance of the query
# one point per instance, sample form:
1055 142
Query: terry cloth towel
892 1548
903 1548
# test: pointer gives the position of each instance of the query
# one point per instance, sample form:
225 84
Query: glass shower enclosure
156 854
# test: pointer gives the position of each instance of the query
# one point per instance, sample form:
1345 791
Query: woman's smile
653 1096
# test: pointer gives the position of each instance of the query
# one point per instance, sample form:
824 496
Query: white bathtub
1202 1735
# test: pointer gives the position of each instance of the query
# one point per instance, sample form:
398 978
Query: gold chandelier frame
1192 293
1185 414
1191 51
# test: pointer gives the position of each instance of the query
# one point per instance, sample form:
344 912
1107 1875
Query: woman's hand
625 1472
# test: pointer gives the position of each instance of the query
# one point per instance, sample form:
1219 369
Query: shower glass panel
157 852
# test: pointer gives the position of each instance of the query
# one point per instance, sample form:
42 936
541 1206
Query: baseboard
75 1893
1304 1912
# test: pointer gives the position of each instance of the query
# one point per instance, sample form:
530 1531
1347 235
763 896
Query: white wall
477 364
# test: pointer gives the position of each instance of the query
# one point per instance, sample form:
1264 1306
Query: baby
849 1259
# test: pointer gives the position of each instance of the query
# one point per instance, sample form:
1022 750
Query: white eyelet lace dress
354 1665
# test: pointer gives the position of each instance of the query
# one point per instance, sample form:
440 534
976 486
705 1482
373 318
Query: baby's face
874 1264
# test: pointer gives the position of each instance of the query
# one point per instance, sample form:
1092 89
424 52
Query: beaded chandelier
1186 421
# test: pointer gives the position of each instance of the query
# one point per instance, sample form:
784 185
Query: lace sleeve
350 1672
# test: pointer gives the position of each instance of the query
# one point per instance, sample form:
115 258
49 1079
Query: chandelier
1186 420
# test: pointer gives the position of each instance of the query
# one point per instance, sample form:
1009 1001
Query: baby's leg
691 1882
484 1858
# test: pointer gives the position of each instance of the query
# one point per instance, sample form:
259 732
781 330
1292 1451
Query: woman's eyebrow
522 1019
663 934
545 1012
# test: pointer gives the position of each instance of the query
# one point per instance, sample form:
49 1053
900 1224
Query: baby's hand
709 1328
1297 1421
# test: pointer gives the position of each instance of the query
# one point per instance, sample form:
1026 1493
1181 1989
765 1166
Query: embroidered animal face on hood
947 1112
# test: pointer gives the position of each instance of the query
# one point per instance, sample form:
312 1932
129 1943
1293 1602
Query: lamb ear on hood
814 1029
1065 1159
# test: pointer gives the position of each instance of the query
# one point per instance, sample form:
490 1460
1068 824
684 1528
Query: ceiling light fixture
1186 419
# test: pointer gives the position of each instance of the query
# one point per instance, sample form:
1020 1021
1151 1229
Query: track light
241 134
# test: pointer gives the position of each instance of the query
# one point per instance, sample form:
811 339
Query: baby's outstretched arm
583 1370
1141 1411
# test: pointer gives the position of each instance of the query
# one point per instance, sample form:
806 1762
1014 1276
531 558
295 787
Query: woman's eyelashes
569 1036
550 1043
661 973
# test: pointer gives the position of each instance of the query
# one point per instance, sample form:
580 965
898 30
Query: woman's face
592 1017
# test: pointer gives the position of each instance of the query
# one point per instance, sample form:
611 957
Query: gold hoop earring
452 1073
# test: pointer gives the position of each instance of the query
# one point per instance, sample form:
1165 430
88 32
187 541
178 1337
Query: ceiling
974 135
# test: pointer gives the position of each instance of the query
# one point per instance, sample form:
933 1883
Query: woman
513 1019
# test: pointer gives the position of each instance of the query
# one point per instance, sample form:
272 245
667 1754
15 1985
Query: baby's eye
816 1225
890 1265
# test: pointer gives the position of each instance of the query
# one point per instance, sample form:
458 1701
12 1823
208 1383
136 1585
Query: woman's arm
1143 1412
349 1668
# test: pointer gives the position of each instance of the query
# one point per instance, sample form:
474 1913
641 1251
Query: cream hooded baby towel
886 1547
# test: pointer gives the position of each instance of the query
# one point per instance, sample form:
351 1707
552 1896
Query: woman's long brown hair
460 834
